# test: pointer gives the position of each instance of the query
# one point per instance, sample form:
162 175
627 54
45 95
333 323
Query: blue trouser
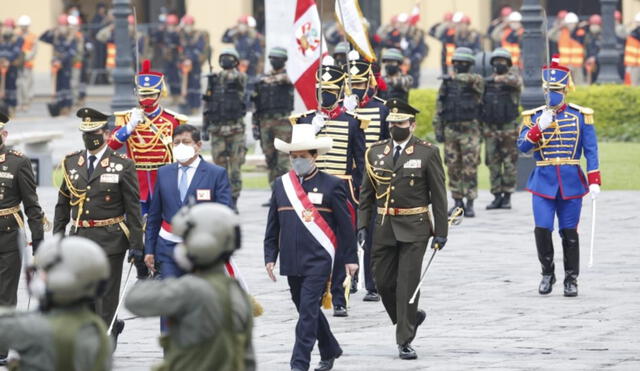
568 211
167 267
306 293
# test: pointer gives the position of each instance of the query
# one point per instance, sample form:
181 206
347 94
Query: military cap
3 119
463 54
359 69
330 76
92 119
278 52
555 75
150 82
343 47
392 54
230 51
501 53
400 111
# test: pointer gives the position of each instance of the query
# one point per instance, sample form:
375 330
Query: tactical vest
498 106
459 102
274 99
224 99
372 132
334 162
224 351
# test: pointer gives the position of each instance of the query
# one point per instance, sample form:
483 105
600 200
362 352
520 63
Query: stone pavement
481 297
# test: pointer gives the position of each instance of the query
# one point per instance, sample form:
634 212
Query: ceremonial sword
593 230
124 292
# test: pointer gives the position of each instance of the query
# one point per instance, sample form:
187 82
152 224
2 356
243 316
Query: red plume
555 60
146 66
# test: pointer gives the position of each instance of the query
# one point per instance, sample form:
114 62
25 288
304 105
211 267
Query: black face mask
391 69
329 99
7 37
461 67
359 92
277 63
92 141
399 134
228 62
500 68
340 59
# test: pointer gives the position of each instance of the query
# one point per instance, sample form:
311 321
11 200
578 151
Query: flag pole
319 70
344 30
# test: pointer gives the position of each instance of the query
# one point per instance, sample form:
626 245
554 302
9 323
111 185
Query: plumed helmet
210 233
150 82
76 269
501 53
463 54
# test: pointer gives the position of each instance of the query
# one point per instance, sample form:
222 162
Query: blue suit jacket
166 197
300 253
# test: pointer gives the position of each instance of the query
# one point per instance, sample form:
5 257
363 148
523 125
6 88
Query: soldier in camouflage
273 100
223 118
500 114
457 126
398 83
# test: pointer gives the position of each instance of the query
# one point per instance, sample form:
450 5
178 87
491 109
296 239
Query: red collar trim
333 113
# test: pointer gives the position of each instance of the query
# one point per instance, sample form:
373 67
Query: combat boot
544 245
496 203
571 252
468 210
506 201
457 203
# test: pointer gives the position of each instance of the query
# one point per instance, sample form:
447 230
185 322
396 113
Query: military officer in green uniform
17 185
404 177
100 196
64 334
210 315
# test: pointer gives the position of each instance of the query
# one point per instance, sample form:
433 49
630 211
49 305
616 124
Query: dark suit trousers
306 293
396 270
369 282
106 306
168 268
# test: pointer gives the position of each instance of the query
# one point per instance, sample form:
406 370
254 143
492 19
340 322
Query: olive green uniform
400 195
210 320
104 208
61 339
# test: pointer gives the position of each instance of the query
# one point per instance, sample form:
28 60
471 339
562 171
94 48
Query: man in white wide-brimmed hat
308 221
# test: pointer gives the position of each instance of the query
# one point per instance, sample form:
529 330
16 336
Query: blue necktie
183 186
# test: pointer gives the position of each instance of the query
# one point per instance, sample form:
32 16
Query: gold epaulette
526 115
178 116
73 153
16 153
586 112
293 119
121 117
383 141
364 122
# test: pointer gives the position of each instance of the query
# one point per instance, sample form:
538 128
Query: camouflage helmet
343 47
501 53
230 51
76 269
392 54
463 54
210 233
278 52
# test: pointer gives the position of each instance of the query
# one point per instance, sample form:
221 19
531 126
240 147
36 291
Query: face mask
183 153
399 134
329 99
359 92
461 67
302 166
277 63
228 62
555 98
340 59
92 141
180 255
391 69
500 68
148 103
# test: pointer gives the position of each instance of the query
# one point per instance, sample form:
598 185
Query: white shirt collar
98 155
193 165
402 145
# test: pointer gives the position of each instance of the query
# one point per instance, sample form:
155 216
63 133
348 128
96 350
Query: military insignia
104 163
1 196
5 168
80 161
411 182
73 171
2 157
109 170
381 162
107 198
315 189
387 149
307 215
119 167
380 156
409 150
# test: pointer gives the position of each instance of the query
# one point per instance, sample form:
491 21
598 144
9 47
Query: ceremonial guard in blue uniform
345 159
559 135
309 224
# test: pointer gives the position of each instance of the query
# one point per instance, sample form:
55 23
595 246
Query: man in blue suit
190 179
308 225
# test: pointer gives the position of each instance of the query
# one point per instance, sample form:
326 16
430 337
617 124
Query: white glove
317 122
137 116
350 102
594 189
545 120
404 43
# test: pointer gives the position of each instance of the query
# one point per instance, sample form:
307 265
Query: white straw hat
303 138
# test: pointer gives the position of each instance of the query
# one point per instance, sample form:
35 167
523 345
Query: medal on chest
307 215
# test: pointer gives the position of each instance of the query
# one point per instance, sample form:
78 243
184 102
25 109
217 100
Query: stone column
608 56
123 75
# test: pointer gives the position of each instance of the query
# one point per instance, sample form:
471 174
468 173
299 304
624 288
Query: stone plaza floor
483 309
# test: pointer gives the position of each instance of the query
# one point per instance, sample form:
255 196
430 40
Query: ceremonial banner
353 26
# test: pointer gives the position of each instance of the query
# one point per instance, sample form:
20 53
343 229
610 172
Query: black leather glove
35 244
438 243
362 236
440 138
255 130
137 257
205 135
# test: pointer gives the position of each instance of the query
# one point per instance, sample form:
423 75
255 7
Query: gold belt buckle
86 224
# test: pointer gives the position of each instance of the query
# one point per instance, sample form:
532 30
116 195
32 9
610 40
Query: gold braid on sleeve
379 180
79 194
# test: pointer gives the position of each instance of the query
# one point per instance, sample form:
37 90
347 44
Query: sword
124 292
361 261
545 23
346 40
319 79
593 230
135 34
454 219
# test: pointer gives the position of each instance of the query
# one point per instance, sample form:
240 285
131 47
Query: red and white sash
309 214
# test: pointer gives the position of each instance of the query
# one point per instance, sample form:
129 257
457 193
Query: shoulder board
121 155
16 153
294 118
586 112
74 153
423 143
380 142
531 112
379 99
179 116
121 117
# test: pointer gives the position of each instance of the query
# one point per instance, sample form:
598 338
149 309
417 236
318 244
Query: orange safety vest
29 41
513 48
450 47
111 55
78 63
571 51
632 52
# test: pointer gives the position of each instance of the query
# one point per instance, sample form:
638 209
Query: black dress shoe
340 311
570 288
407 352
118 327
468 209
546 284
420 317
371 296
506 201
497 201
327 364
354 286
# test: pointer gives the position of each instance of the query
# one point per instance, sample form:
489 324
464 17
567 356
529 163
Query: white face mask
183 153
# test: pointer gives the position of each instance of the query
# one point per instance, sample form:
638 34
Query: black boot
457 203
544 245
571 252
506 201
496 203
468 209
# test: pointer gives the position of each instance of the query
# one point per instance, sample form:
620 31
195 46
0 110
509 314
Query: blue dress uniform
306 263
558 183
